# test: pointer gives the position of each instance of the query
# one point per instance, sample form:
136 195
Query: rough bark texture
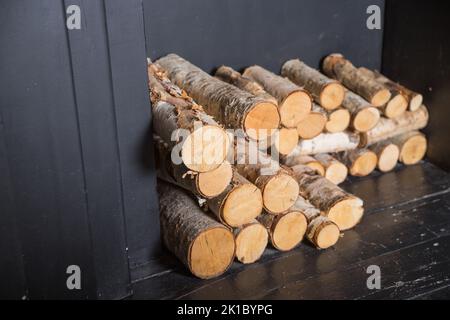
360 162
337 67
233 77
225 102
174 110
327 143
311 79
414 99
182 221
328 197
388 128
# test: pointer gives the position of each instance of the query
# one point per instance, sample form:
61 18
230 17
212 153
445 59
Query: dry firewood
286 230
233 77
279 188
325 91
294 102
342 208
387 154
398 102
326 143
338 119
228 104
413 146
321 231
251 241
307 161
206 145
205 246
335 171
364 116
203 184
413 99
388 128
339 68
313 124
240 203
360 162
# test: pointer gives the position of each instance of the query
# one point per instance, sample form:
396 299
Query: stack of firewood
217 204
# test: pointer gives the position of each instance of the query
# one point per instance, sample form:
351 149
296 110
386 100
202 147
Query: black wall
417 54
76 178
240 33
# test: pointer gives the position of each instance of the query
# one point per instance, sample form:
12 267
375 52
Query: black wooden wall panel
416 53
266 32
76 178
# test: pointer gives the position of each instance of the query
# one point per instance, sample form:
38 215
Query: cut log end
388 157
364 164
312 125
380 98
295 107
366 119
415 102
251 241
338 121
327 235
286 140
205 148
280 193
332 96
396 106
346 213
317 166
243 204
211 252
288 231
214 182
413 150
262 120
336 172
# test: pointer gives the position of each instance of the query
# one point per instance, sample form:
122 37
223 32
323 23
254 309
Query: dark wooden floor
405 231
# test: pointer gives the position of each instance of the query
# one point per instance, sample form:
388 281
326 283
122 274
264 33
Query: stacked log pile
275 180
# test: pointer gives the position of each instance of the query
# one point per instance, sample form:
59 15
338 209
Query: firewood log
335 171
233 77
388 128
206 145
413 146
321 231
364 116
205 246
283 141
325 91
338 120
286 230
307 161
279 188
251 240
339 68
294 102
326 143
228 104
413 99
204 184
239 204
313 124
387 154
342 208
360 162
398 102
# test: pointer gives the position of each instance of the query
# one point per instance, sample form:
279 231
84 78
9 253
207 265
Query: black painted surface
238 33
416 53
75 164
408 239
